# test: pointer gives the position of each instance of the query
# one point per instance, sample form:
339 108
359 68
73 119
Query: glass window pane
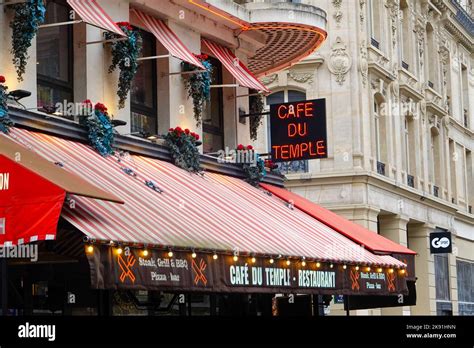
213 110
212 142
143 124
442 277
48 96
53 44
276 98
143 89
295 96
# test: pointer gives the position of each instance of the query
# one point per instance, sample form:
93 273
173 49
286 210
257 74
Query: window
435 173
405 36
380 129
465 96
465 275
441 264
212 123
143 102
55 57
376 23
432 58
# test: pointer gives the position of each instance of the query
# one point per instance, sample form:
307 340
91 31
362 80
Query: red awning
243 75
29 205
212 212
353 231
168 39
91 13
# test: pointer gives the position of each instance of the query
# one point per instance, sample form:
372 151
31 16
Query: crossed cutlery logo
199 272
126 265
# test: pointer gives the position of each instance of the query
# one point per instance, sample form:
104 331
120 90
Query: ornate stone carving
338 14
363 63
394 7
362 14
339 61
301 77
269 79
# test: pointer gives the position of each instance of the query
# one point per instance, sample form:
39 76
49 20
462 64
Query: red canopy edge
359 234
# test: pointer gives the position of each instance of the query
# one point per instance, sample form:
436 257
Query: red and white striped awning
212 212
241 73
91 13
168 39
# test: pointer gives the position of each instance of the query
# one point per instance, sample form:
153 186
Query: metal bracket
52 25
225 86
107 41
256 115
183 73
154 57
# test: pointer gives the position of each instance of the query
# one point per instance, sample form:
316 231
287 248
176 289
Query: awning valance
243 75
92 13
168 39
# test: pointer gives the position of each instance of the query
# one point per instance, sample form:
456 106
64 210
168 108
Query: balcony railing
405 65
293 167
436 191
411 180
380 168
430 84
463 17
469 209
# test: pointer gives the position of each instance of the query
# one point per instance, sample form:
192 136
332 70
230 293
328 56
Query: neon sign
298 130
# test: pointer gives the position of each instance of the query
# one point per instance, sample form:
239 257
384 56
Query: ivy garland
255 172
125 54
198 86
5 122
256 107
100 129
28 17
183 146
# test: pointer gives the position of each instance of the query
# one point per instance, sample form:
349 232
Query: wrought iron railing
293 167
436 191
463 17
410 180
380 168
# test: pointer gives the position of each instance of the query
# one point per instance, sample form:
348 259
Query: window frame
140 108
57 84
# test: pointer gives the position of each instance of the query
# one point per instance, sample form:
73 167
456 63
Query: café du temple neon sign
298 130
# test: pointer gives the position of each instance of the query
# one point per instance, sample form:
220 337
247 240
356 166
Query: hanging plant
5 122
125 54
256 107
183 146
100 129
198 86
28 17
255 172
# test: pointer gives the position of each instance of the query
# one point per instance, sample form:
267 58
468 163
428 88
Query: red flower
249 147
100 107
125 24
87 102
202 56
240 147
2 79
196 136
171 130
186 131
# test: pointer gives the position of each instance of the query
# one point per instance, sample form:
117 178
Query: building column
394 227
418 239
453 276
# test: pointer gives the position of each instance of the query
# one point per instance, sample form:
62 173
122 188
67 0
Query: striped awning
210 212
91 13
234 65
168 39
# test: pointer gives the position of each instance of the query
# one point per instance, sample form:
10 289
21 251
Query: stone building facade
398 78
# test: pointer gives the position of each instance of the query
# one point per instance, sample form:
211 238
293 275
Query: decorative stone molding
394 6
471 77
362 14
338 14
301 77
269 79
339 61
363 63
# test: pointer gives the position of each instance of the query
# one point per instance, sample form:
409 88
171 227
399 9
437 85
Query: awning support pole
107 41
59 24
154 57
255 115
245 95
225 86
184 73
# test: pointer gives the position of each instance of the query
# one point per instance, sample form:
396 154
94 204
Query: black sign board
440 243
298 130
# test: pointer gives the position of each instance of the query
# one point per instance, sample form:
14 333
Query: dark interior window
213 133
55 57
144 105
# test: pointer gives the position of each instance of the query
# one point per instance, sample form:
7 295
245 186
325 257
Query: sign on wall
298 130
182 272
440 243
